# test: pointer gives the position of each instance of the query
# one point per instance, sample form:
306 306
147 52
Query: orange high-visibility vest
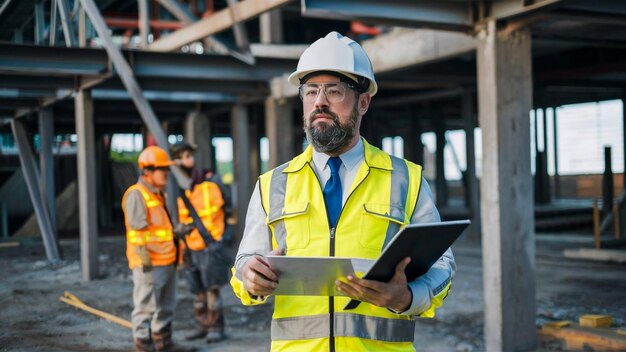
207 200
157 236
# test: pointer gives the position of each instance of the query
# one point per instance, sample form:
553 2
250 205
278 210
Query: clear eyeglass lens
335 92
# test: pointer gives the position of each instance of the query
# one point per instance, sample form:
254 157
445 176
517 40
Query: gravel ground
33 318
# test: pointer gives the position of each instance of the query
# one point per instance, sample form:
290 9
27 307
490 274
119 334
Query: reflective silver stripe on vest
398 194
300 328
346 325
278 186
374 328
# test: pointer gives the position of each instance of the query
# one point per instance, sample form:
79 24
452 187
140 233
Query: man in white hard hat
341 197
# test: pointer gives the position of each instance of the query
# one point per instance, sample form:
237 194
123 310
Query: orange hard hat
154 156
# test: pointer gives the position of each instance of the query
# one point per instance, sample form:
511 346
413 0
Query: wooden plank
219 21
582 338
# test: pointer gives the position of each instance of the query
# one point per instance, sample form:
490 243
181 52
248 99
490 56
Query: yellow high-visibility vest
381 200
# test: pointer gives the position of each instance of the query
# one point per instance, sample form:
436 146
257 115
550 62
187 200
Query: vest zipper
331 302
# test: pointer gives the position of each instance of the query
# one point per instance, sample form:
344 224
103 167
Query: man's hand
258 277
394 294
144 255
181 230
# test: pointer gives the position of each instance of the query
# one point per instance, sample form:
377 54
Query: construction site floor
33 318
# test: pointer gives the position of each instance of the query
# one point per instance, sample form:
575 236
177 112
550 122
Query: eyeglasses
334 92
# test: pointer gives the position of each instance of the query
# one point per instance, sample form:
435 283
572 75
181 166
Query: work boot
143 345
200 311
163 342
216 329
200 314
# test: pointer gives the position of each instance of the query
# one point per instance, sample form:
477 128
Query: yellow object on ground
595 321
558 324
72 300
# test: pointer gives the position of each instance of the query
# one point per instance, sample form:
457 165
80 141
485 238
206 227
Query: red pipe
129 23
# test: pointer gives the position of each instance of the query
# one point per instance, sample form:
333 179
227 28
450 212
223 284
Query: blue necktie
332 192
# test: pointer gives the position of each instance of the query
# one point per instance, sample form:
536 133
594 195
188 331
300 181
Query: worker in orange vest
206 268
152 252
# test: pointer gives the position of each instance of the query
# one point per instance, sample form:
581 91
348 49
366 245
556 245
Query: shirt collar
350 159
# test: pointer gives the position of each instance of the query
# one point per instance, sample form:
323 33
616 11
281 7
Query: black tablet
424 243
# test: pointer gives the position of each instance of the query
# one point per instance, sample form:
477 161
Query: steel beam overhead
66 22
106 94
31 177
192 86
448 15
216 23
512 9
52 61
406 47
55 61
188 18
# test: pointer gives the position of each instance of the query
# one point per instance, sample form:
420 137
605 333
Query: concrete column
441 185
197 131
46 165
623 136
369 128
545 186
31 176
473 195
607 183
557 181
18 36
241 143
271 27
417 131
87 198
508 247
536 129
255 142
411 137
279 128
104 177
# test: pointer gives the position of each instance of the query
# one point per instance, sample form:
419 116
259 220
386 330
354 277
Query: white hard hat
336 53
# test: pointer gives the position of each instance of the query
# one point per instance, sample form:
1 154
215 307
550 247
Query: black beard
187 170
332 138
